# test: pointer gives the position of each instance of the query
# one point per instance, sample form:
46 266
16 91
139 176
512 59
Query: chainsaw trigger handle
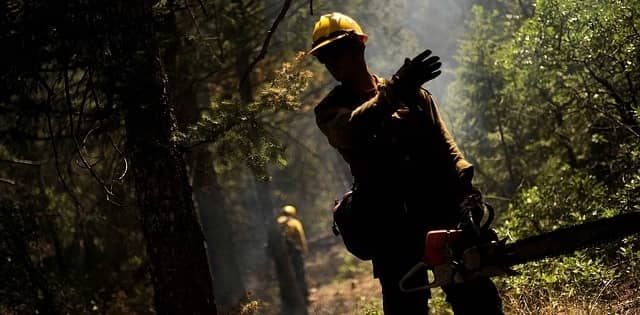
410 274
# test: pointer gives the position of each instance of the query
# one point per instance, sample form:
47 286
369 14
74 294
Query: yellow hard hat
289 210
333 26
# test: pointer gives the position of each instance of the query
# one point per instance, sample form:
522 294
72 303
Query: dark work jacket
406 166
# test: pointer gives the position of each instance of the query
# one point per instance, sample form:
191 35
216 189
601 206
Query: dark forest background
133 131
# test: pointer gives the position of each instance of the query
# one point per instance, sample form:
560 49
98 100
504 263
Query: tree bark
175 243
228 282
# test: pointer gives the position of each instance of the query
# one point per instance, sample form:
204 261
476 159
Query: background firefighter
408 173
293 233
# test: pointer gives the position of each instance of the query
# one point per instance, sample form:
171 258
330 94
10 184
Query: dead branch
204 10
52 139
22 162
124 159
75 139
7 181
196 25
73 197
267 40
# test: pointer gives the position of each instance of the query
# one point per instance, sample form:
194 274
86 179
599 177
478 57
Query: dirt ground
338 283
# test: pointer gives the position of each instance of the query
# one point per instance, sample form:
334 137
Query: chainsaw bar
567 240
495 258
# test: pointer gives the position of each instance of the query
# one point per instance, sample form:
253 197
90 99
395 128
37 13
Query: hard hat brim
328 41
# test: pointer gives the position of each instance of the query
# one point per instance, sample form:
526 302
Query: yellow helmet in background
289 210
333 26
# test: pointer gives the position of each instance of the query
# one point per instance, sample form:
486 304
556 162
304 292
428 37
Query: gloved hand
416 72
472 207
474 212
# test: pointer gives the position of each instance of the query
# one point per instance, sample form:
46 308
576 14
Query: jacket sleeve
445 143
302 239
341 122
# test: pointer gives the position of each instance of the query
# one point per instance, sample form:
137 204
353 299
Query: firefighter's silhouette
293 233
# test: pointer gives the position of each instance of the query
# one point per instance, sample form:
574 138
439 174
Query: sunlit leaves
549 113
237 130
284 91
549 86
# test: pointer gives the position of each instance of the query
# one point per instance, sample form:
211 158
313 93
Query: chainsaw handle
489 214
442 275
409 274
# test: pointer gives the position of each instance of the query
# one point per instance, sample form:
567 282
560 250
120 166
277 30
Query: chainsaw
447 263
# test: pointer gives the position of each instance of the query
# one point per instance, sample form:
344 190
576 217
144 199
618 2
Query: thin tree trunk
175 243
508 158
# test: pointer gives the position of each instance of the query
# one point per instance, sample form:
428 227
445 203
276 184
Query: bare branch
85 96
7 181
623 107
265 44
606 84
52 139
617 121
196 25
204 10
75 200
75 139
124 159
22 162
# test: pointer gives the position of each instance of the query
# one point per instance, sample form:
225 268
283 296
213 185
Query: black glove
474 212
416 72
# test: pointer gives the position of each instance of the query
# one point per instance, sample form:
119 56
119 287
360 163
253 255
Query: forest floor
341 284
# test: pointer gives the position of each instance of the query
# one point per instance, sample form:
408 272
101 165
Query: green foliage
63 135
548 112
546 108
628 199
546 88
438 304
238 131
580 274
371 308
479 121
562 197
573 66
285 90
77 270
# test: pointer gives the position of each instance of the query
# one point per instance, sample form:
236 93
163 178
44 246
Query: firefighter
408 172
296 245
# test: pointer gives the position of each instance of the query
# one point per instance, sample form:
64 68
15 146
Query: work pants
297 261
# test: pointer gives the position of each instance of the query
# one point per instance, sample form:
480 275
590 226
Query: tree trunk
228 283
175 243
